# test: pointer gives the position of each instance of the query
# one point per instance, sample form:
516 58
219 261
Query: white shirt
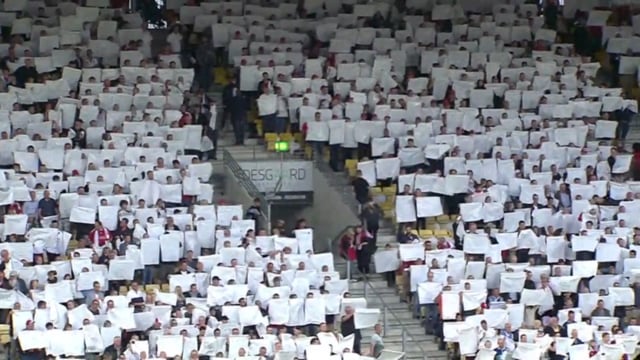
282 107
132 294
175 41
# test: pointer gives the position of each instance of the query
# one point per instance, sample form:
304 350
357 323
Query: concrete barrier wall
328 215
234 191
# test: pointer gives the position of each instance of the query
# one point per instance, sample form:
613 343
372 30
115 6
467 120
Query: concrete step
398 317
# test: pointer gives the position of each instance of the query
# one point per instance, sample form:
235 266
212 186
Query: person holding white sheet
175 39
282 115
100 237
317 146
348 327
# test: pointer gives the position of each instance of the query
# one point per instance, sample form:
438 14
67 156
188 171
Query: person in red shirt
99 236
443 244
15 209
635 162
186 119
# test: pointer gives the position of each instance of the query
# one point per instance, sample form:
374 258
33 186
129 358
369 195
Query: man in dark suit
227 94
236 105
114 350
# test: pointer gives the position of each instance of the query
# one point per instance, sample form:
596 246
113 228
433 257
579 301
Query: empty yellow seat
165 287
393 189
270 137
376 190
308 152
286 137
425 233
123 290
221 76
271 146
351 166
442 232
442 219
151 287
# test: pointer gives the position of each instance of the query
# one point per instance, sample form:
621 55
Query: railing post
384 321
268 216
404 342
348 269
365 283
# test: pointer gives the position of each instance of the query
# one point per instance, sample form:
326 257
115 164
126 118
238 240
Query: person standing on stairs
361 189
348 327
209 122
363 253
205 62
371 215
236 104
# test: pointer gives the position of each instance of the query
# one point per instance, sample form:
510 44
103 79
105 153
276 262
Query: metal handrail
248 185
386 311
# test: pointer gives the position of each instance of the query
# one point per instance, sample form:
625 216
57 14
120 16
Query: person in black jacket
348 327
227 94
26 73
236 105
114 350
624 117
361 188
209 123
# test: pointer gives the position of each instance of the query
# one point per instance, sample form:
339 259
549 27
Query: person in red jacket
99 236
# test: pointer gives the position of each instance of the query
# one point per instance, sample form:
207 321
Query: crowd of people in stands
112 244
527 153
511 115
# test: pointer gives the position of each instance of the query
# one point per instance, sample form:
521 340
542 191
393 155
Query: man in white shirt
135 292
283 113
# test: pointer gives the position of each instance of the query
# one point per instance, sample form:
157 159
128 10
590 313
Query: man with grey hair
377 345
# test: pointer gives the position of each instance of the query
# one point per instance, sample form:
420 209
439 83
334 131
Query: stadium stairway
399 317
398 320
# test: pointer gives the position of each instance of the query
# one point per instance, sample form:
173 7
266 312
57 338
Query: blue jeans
280 125
318 147
431 318
147 275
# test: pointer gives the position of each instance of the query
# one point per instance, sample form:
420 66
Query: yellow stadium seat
165 288
286 137
73 244
425 233
123 290
453 217
351 166
271 146
270 137
376 190
221 76
393 189
602 57
442 219
308 152
297 137
442 232
151 287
